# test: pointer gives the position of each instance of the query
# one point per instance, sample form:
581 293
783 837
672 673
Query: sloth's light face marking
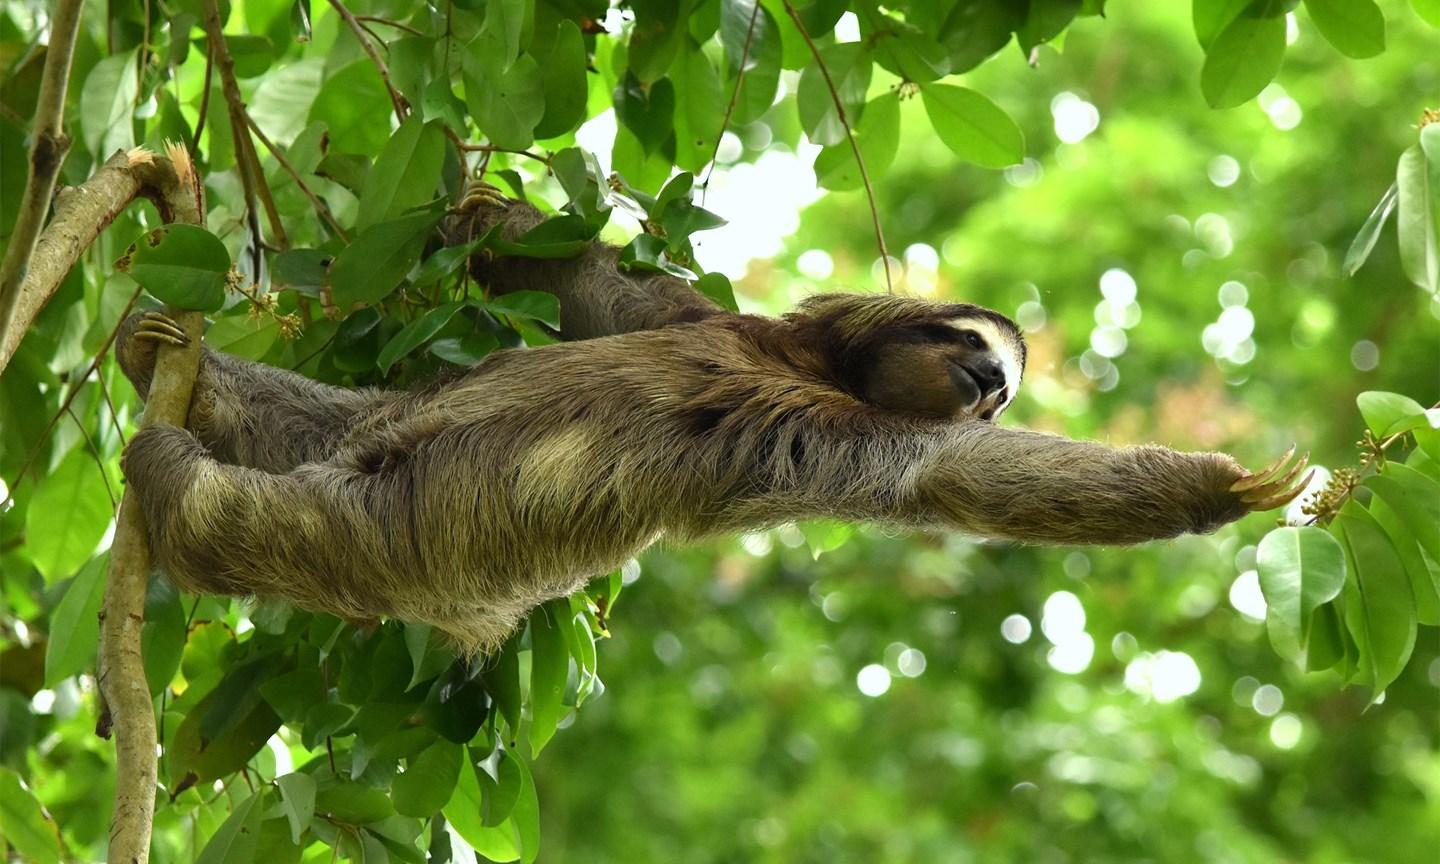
1002 345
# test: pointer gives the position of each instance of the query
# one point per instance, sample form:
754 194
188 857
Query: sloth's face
954 369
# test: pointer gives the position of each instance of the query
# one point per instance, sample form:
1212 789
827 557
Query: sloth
466 503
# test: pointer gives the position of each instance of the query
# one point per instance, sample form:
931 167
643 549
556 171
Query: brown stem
247 162
47 155
491 148
850 135
389 23
397 101
205 95
316 200
734 97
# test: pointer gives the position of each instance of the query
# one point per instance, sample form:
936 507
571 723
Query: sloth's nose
989 374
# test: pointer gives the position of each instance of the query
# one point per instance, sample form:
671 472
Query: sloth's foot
1274 486
159 327
480 196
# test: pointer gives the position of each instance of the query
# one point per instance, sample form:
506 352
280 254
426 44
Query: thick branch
82 212
48 147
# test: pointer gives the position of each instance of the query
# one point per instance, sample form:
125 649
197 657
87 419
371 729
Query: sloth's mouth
966 385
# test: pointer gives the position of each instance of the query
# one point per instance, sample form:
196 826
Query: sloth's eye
974 341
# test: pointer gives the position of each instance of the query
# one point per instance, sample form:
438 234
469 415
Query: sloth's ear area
911 378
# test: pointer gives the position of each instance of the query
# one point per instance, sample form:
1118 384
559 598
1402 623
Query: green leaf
647 112
415 334
531 305
563 80
106 103
252 54
762 58
648 252
1416 222
1369 233
429 780
406 174
162 636
975 128
23 824
1045 21
1428 10
354 803
825 535
1300 569
549 669
561 237
355 106
372 266
297 799
1327 640
717 287
1355 27
506 105
236 839
76 489
656 37
210 757
1210 17
243 335
878 136
1385 413
502 682
465 350
849 65
699 109
1424 578
1380 611
1415 498
427 659
183 265
1242 60
75 624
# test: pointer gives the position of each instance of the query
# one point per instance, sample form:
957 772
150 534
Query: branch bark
47 154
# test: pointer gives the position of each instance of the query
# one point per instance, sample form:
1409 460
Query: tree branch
850 135
47 154
316 200
247 162
397 101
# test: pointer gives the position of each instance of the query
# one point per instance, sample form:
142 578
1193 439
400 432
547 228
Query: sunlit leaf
75 624
235 841
506 105
429 780
372 266
22 823
1424 577
1415 498
76 488
1380 611
1385 413
1416 221
1355 27
1300 569
562 78
297 798
405 175
1369 233
106 102
183 265
975 128
549 668
1242 60
759 45
878 136
699 110
1428 10
849 66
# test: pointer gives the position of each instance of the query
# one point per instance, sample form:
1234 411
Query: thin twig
491 148
849 134
397 101
734 97
1375 453
376 19
316 200
94 454
110 403
47 155
247 162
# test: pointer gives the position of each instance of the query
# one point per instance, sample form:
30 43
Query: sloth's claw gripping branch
159 327
1264 475
1274 486
480 195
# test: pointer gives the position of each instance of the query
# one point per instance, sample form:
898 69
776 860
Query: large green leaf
429 779
183 265
75 624
406 174
162 636
1379 609
1389 413
975 128
1369 233
1242 60
1355 27
67 516
23 824
415 334
749 32
297 798
1416 221
1210 17
549 668
849 65
699 109
106 103
1415 498
372 266
562 78
1300 569
506 105
1428 10
878 137
1424 577
235 841
354 106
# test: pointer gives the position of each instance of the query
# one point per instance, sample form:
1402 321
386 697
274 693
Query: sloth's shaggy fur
467 504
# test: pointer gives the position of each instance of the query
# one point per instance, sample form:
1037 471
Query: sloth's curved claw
1264 475
1260 493
1282 498
480 195
158 327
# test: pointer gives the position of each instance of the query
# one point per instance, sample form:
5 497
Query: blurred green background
932 699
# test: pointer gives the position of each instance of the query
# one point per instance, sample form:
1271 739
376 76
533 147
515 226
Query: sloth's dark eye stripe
940 333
